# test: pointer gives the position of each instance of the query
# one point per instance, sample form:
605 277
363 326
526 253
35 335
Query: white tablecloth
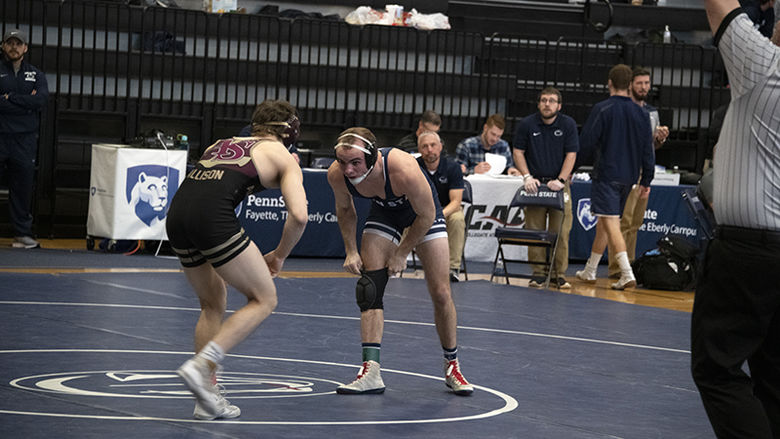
490 210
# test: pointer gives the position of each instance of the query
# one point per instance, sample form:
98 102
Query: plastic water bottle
182 142
499 270
667 35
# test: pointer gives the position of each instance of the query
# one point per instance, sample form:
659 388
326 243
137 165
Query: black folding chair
467 199
529 237
701 212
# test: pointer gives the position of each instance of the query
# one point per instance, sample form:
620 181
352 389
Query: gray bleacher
116 70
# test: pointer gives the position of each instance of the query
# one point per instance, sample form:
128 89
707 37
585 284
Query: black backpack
671 266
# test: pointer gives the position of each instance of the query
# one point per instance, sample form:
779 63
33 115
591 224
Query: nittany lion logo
166 384
149 189
584 216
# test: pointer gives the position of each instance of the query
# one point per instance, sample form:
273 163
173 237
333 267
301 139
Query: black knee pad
370 289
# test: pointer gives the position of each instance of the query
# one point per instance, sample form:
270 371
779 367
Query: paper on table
497 163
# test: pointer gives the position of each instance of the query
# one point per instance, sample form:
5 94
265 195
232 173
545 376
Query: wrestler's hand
274 263
396 264
353 263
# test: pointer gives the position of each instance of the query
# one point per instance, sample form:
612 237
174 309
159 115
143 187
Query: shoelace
221 391
363 370
454 371
220 388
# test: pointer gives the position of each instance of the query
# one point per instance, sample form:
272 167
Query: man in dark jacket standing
23 93
618 133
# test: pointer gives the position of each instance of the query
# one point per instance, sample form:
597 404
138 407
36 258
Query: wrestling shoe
455 380
368 380
197 377
227 410
25 242
626 281
586 275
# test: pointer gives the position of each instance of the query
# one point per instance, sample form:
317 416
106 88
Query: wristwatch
562 180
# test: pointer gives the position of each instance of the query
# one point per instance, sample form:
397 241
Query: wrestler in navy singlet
389 216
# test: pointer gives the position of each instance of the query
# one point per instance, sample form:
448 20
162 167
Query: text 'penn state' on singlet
391 201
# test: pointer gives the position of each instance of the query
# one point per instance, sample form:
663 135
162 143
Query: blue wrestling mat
92 353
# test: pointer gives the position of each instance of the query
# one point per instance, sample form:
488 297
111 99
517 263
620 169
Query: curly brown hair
271 111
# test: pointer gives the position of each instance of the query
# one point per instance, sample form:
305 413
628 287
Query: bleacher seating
116 70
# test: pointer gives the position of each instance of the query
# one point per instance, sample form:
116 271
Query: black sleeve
724 24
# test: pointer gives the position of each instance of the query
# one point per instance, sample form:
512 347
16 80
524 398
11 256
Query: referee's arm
717 10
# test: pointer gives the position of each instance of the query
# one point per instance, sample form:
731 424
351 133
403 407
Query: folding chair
528 237
467 199
701 212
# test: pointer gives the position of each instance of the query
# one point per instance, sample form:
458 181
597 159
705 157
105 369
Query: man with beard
23 93
636 203
448 179
545 149
471 151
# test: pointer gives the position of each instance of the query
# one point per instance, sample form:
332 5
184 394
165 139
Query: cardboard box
666 179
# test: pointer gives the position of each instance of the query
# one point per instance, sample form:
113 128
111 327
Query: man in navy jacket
23 93
618 133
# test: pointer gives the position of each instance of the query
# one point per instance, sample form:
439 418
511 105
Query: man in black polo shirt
545 149
448 179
